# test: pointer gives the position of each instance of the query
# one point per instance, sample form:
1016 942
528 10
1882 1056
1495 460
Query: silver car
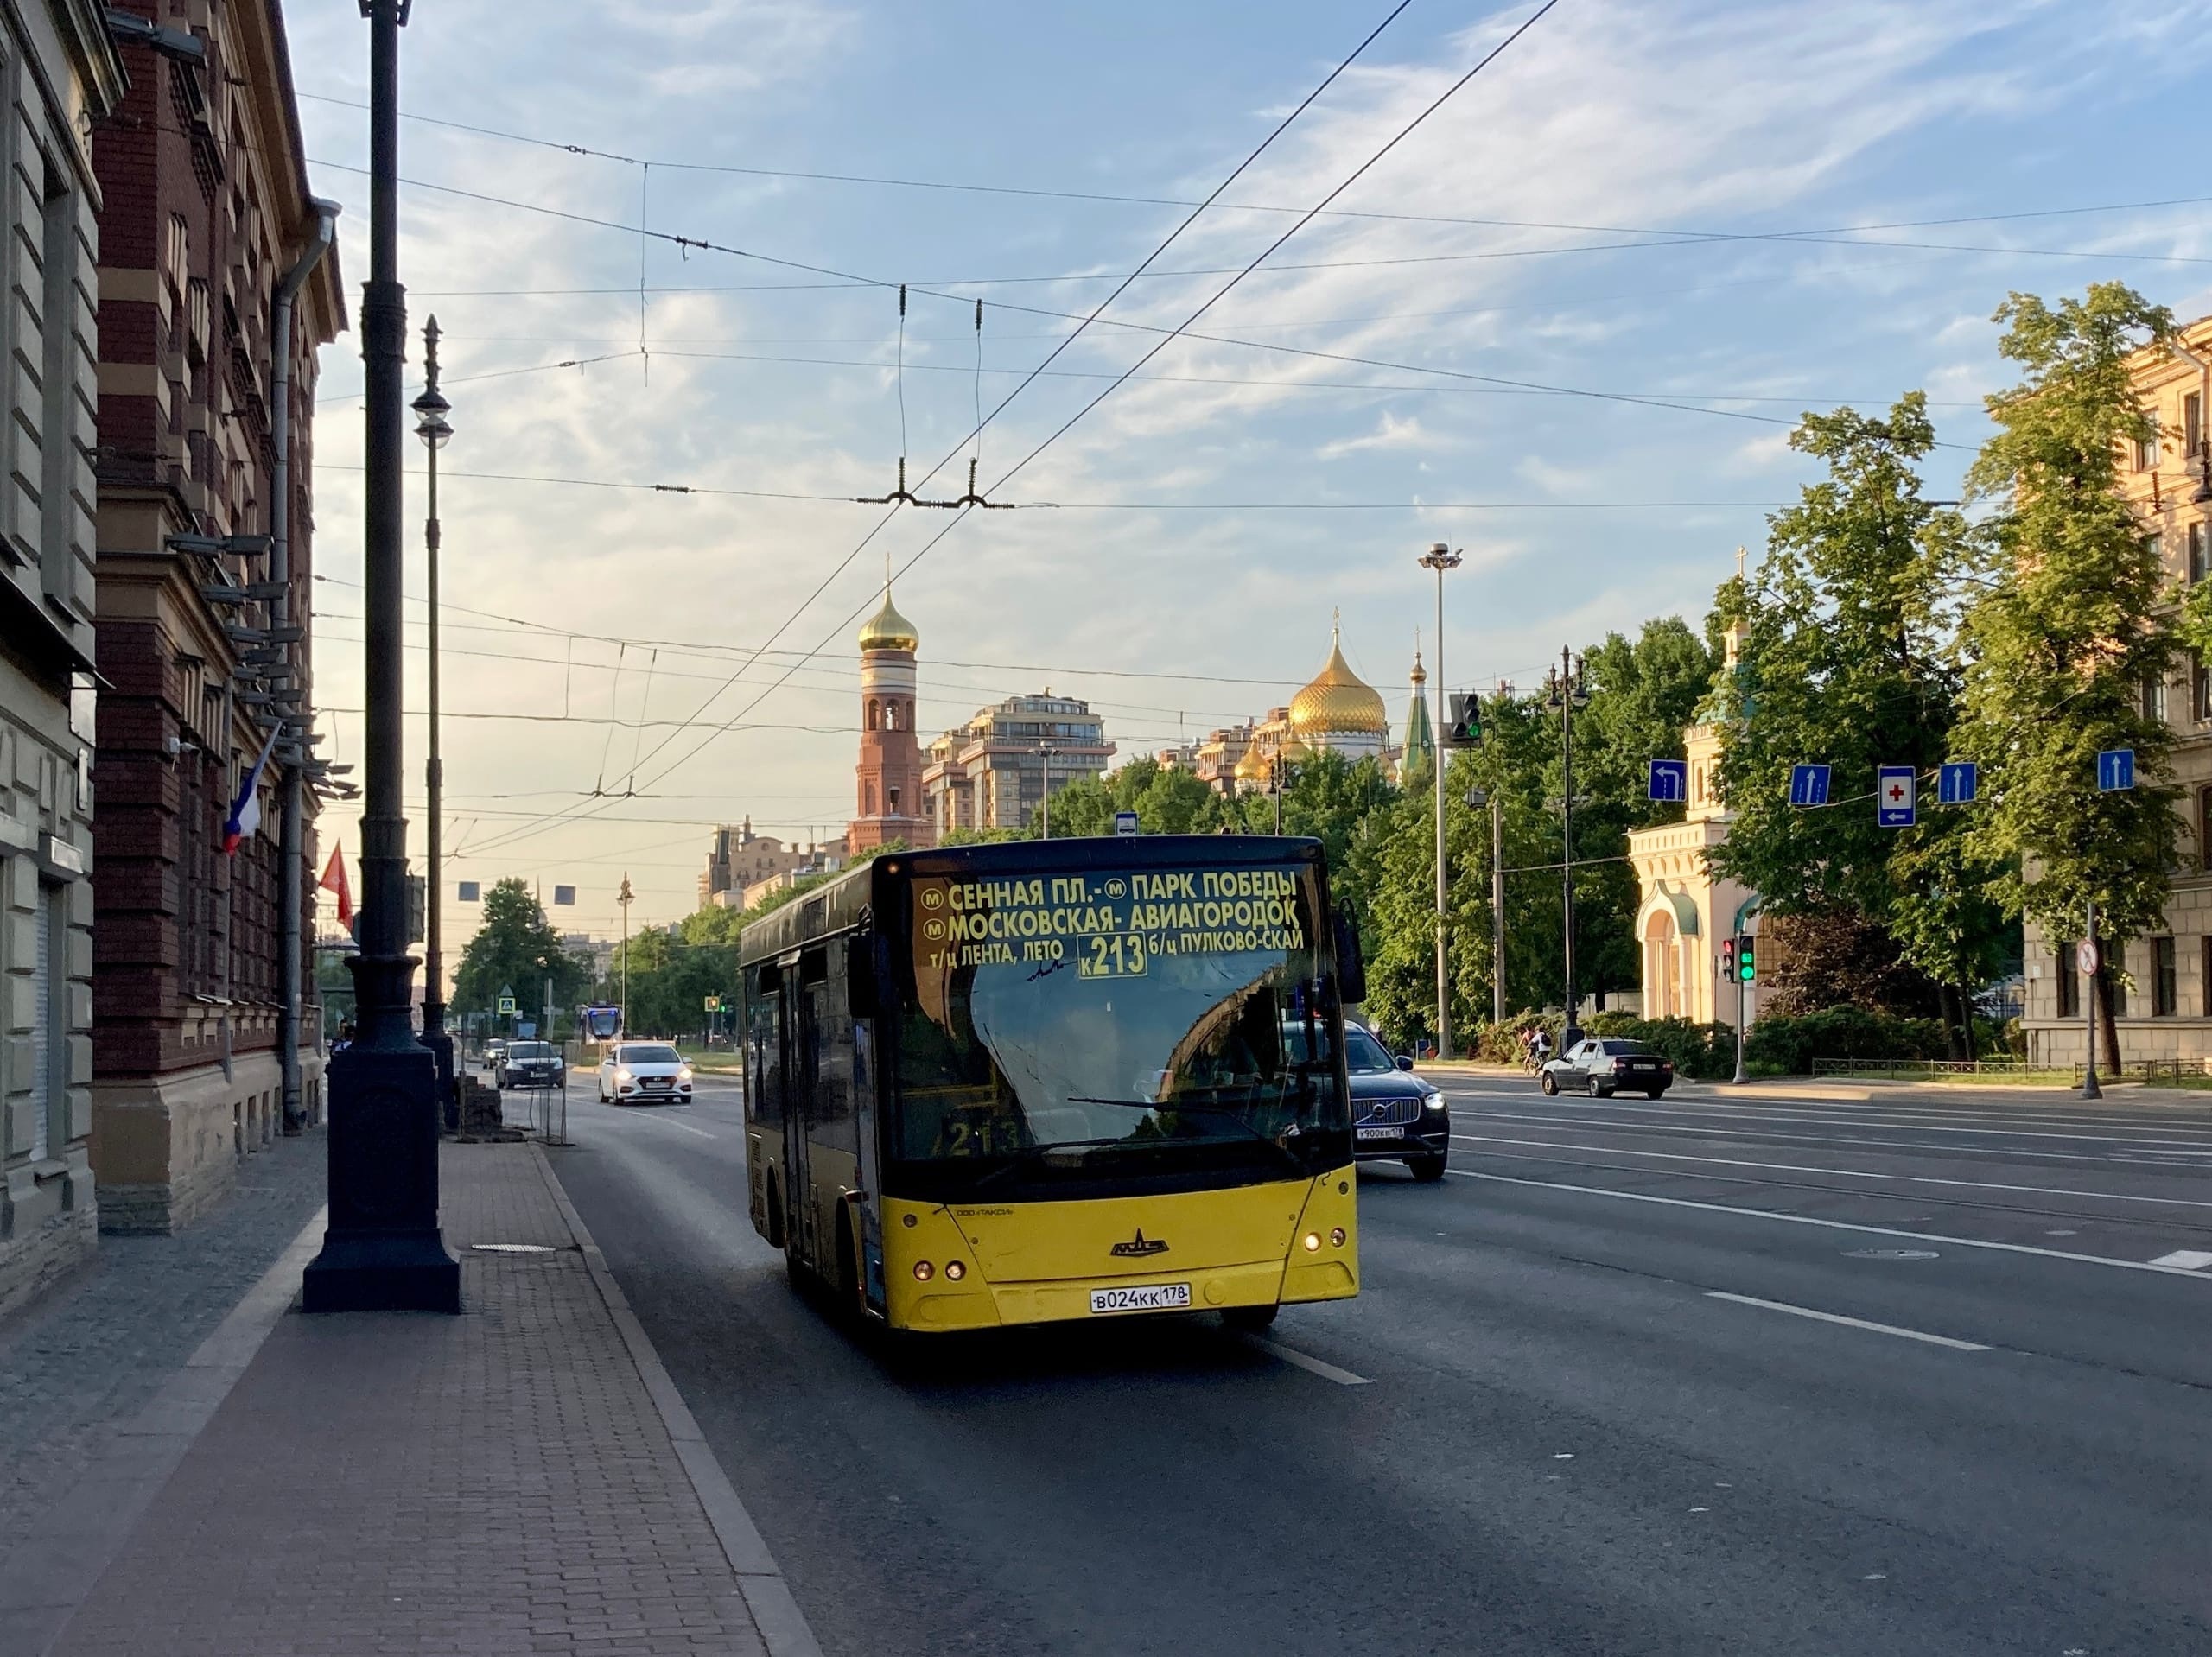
633 1072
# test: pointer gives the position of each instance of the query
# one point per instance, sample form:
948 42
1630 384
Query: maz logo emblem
1139 1246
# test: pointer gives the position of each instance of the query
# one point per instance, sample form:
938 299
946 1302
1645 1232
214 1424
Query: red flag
333 879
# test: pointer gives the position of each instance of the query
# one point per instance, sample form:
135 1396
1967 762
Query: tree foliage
517 949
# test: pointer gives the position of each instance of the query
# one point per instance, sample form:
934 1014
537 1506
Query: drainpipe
291 849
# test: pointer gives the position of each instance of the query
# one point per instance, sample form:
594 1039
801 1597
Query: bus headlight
954 1270
1313 1242
924 1271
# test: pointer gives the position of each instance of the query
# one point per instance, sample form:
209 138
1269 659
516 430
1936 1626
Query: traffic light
1728 958
1746 965
1465 728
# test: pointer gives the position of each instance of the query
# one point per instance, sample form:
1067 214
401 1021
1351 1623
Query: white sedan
633 1071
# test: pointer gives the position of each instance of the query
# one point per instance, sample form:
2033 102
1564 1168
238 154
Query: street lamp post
383 1251
626 898
1440 558
430 410
1566 690
1044 808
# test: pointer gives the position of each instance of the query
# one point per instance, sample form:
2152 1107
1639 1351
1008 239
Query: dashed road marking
1848 1323
2186 1259
1311 1366
1837 1225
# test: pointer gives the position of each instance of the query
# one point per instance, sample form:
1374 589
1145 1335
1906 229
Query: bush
1697 1050
1789 1046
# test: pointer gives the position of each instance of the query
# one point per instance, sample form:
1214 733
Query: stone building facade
1685 913
993 771
2167 1014
205 210
61 75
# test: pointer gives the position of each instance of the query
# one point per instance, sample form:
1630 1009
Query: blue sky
1607 133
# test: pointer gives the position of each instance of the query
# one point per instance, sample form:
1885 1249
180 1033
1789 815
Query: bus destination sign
1110 925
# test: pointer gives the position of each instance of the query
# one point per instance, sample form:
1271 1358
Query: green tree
1847 660
1168 801
2071 621
515 947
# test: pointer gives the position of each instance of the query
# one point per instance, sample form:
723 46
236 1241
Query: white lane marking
1897 1121
1683 1129
1311 1366
2189 1259
1838 1225
1848 1323
670 1121
1845 1174
1873 1114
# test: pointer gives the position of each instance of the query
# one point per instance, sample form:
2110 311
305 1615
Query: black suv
529 1064
1395 1116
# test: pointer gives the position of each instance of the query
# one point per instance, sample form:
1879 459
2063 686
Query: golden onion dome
886 630
1339 702
1292 751
1252 767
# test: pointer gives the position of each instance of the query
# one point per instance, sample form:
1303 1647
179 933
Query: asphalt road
1721 1375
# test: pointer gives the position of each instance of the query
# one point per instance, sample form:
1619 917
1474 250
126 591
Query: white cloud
1389 433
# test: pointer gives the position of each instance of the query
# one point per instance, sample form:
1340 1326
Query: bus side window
763 1061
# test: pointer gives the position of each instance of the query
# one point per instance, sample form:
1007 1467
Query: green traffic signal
1746 966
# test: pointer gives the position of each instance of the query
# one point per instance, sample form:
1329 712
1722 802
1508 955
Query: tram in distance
1052 1080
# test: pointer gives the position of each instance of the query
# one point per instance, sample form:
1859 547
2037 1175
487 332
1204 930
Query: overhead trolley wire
1280 127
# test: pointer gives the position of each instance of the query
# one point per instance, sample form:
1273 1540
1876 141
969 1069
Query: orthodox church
1337 712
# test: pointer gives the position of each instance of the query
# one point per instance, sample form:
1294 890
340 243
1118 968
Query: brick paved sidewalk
502 1482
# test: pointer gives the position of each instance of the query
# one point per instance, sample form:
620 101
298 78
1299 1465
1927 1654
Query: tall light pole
430 412
383 1251
1440 558
1566 689
1045 810
626 898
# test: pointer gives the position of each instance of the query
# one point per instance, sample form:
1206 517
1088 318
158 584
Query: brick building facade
60 74
206 209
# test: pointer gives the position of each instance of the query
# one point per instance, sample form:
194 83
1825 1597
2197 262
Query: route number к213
1121 955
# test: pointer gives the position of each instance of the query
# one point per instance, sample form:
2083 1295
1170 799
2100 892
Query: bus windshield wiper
1226 1114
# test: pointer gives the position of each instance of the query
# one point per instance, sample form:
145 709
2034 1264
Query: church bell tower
889 774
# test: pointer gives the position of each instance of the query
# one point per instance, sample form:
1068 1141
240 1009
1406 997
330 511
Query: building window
2166 990
2197 565
2146 448
2192 423
874 714
48 1000
2070 987
2154 700
2205 977
2118 984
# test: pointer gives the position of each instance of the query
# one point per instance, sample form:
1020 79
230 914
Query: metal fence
1931 1069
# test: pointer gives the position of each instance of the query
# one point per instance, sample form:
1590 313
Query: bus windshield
1136 1030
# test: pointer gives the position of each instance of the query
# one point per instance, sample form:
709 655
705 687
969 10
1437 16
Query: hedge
1776 1046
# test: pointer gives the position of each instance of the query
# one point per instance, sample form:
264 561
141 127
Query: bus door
764 1097
801 1047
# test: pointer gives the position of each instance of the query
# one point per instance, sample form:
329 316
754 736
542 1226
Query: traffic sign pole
2089 1088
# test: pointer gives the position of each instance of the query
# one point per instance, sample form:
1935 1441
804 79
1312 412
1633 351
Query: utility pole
1045 810
1566 692
1440 558
430 410
383 1251
626 898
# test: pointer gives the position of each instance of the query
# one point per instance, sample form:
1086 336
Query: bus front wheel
1246 1319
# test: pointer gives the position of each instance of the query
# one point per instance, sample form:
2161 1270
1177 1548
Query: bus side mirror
1351 965
859 975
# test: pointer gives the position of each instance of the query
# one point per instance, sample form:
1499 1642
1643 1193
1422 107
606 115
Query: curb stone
776 1613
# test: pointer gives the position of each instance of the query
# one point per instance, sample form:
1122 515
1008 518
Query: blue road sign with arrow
1670 781
2115 770
1957 783
1808 785
1893 795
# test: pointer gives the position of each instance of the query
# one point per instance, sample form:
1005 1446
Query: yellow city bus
1057 1080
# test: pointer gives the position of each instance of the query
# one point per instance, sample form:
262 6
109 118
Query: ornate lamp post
383 1251
430 412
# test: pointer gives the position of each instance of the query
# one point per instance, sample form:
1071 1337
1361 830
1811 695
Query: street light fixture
1440 558
431 426
1566 689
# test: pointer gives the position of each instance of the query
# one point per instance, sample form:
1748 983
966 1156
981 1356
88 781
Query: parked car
530 1064
1602 1068
633 1071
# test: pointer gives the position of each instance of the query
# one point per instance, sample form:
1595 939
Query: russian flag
245 810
